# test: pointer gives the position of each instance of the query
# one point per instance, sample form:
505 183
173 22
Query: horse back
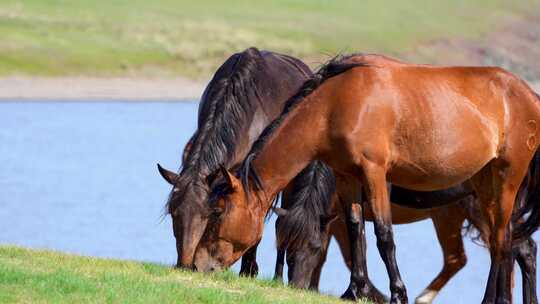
433 127
283 77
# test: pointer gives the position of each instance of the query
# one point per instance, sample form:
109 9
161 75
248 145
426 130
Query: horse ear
231 180
280 212
169 176
328 219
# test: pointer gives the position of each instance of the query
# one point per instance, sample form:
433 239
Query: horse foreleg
525 254
280 262
358 284
280 258
448 222
249 266
377 194
339 231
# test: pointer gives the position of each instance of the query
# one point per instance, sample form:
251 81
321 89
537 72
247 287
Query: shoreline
536 86
94 89
17 88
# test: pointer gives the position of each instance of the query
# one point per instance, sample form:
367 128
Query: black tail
528 202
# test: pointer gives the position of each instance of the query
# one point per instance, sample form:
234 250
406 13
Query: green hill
190 38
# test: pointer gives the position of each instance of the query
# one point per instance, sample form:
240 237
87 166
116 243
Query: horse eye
315 245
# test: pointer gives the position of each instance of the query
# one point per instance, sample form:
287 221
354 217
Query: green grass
191 38
29 276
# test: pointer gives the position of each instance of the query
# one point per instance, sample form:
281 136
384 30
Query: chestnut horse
316 212
246 93
420 127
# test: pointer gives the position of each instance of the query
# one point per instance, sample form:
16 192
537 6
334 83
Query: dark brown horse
246 93
315 213
423 128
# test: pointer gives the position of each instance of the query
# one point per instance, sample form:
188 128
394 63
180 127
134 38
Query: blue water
82 178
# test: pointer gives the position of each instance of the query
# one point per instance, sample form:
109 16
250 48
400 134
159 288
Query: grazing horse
315 213
419 127
246 93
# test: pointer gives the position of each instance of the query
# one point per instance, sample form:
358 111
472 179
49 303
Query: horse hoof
426 297
379 299
368 292
278 279
349 295
399 299
376 296
250 271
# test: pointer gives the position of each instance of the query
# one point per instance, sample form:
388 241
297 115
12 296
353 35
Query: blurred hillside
166 38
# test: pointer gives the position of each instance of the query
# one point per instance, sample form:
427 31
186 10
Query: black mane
311 200
334 67
228 102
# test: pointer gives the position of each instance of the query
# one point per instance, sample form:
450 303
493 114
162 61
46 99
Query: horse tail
475 228
528 201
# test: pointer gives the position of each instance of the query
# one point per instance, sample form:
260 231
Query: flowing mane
311 201
334 67
228 102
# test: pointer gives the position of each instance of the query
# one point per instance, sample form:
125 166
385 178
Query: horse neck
291 146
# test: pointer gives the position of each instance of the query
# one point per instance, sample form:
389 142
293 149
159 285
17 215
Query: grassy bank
28 276
190 38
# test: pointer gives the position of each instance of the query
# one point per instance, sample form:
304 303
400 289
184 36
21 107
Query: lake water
82 178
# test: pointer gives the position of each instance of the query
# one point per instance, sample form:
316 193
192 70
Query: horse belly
449 153
437 173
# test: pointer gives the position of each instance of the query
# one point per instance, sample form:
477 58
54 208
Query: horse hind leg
448 222
505 275
525 254
496 188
